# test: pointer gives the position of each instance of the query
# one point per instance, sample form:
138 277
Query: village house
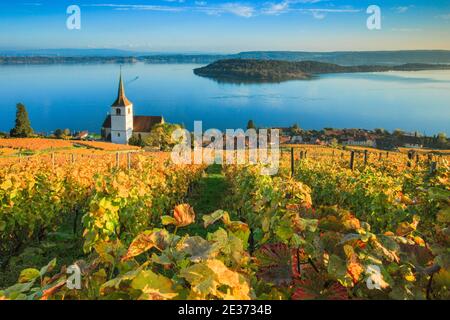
334 133
284 139
296 139
412 142
121 123
82 135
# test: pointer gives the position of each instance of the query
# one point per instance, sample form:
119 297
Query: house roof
361 139
284 139
82 134
121 100
107 122
410 140
333 132
145 123
140 123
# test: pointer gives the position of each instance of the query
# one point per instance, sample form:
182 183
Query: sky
225 26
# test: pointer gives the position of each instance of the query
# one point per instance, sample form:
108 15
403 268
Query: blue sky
225 25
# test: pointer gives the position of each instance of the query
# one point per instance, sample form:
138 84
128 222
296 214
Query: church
121 123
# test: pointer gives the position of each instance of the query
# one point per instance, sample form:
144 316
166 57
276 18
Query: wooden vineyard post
129 160
433 167
387 154
366 157
53 160
352 160
73 158
292 162
306 154
117 160
380 157
410 158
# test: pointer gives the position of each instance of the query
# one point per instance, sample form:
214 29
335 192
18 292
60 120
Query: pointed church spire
121 100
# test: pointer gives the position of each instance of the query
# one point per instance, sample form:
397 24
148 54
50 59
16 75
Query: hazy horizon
207 52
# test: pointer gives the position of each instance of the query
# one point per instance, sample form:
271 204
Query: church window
118 134
118 112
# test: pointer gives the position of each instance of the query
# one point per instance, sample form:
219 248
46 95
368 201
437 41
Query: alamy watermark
375 278
374 20
73 22
233 147
74 280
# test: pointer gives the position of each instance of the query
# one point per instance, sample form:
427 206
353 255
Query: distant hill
355 58
344 58
46 60
252 70
69 53
182 58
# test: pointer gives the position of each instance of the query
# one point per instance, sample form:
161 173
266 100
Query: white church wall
121 125
119 137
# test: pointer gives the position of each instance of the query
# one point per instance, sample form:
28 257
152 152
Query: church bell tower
121 117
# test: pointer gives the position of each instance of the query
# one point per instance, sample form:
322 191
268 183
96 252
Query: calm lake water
79 96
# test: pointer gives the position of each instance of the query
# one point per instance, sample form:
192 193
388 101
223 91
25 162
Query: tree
334 143
67 132
295 129
23 127
441 140
380 131
251 125
161 136
136 140
62 134
58 133
398 132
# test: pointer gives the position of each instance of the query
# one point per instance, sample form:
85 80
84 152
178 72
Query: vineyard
35 145
332 224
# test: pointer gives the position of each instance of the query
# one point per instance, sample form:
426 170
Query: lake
79 96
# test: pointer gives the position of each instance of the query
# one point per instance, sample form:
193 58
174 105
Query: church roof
107 122
121 100
140 123
145 123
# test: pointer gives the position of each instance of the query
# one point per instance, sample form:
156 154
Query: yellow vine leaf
145 241
206 278
153 286
184 215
